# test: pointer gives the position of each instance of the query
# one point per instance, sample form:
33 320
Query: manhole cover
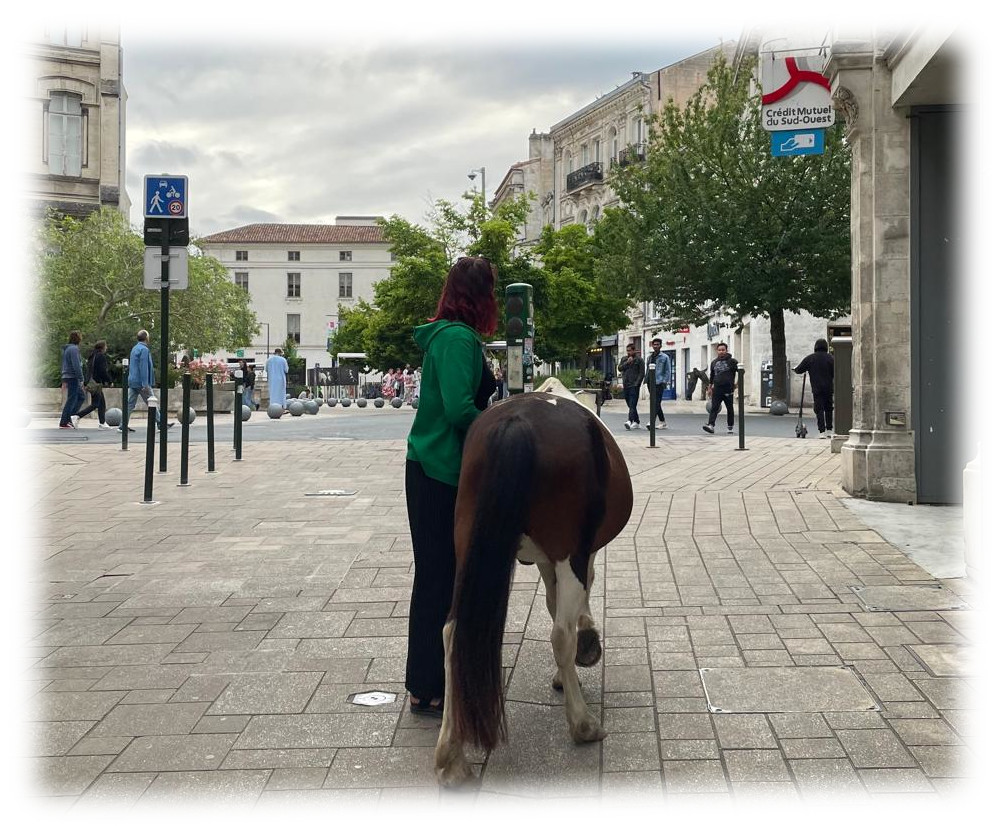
907 598
373 698
333 493
784 689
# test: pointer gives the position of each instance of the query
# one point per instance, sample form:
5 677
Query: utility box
841 345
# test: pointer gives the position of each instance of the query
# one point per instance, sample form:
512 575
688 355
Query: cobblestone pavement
758 638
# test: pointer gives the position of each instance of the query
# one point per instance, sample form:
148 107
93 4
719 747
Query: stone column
878 459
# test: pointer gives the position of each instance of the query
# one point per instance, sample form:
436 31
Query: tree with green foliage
712 223
578 304
91 278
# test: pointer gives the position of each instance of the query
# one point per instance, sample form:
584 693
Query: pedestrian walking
456 385
631 370
723 383
660 369
141 377
819 366
72 380
408 382
97 377
277 371
248 386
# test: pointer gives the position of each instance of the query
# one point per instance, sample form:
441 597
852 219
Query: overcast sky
271 130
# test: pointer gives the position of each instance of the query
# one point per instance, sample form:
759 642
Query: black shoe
423 709
708 428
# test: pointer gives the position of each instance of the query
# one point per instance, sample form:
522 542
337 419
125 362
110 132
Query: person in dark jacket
455 388
98 372
72 380
632 371
819 366
723 382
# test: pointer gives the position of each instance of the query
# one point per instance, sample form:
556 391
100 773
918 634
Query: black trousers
721 396
430 506
630 395
823 406
97 403
659 389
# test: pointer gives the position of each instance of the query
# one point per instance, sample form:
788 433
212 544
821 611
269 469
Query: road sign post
165 203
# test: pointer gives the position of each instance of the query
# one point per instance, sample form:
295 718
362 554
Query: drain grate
372 698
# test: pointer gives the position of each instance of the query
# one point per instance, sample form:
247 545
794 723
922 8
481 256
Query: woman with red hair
456 384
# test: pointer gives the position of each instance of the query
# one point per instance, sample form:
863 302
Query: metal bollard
150 451
238 390
740 408
124 363
210 424
652 392
184 444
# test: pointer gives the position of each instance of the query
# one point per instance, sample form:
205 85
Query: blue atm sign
801 142
165 196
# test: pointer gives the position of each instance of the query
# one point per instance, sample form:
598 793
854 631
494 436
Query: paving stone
143 676
828 776
278 758
943 761
945 660
875 748
744 731
895 780
163 718
55 738
97 655
282 779
758 765
73 705
633 751
689 750
223 724
151 634
267 694
318 624
174 752
810 724
776 689
694 776
66 775
944 692
812 747
285 731
908 598
238 788
629 719
925 733
115 789
627 678
628 783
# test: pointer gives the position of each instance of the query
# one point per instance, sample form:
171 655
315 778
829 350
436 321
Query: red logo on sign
796 76
176 207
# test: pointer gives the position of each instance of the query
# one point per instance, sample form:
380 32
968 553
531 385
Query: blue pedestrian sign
165 196
801 142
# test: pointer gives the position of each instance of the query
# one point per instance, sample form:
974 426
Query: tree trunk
776 320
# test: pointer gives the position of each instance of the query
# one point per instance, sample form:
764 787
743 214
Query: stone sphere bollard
318 401
296 408
245 412
331 402
778 408
190 416
275 411
346 402
397 403
361 402
379 402
310 407
415 403
114 417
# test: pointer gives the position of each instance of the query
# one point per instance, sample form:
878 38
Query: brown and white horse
542 481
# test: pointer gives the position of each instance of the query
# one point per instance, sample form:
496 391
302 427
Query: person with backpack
97 377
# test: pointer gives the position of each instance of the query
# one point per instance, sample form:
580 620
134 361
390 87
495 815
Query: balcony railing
632 154
587 174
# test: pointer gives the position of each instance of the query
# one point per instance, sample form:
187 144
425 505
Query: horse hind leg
589 650
450 765
547 570
571 599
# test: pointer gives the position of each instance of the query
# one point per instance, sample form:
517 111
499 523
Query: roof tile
298 234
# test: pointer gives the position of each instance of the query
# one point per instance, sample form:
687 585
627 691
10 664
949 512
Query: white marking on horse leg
571 599
547 570
450 765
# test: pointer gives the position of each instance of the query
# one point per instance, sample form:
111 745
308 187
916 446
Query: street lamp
471 176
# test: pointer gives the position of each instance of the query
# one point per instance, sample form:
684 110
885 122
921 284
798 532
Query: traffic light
519 338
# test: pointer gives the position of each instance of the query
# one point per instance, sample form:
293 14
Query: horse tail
483 588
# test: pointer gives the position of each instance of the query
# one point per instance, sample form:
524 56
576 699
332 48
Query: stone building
906 104
300 276
76 118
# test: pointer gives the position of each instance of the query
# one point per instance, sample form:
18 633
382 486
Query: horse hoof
588 731
588 649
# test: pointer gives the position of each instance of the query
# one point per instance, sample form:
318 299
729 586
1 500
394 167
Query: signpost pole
164 360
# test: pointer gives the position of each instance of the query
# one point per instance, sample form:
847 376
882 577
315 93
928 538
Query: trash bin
841 344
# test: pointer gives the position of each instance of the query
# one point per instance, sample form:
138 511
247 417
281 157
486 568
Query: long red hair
469 295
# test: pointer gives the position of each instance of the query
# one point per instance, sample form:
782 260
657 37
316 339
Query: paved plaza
759 638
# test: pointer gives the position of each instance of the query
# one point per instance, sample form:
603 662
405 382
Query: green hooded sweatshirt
450 377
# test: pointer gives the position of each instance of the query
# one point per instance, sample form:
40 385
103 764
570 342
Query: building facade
300 276
76 119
